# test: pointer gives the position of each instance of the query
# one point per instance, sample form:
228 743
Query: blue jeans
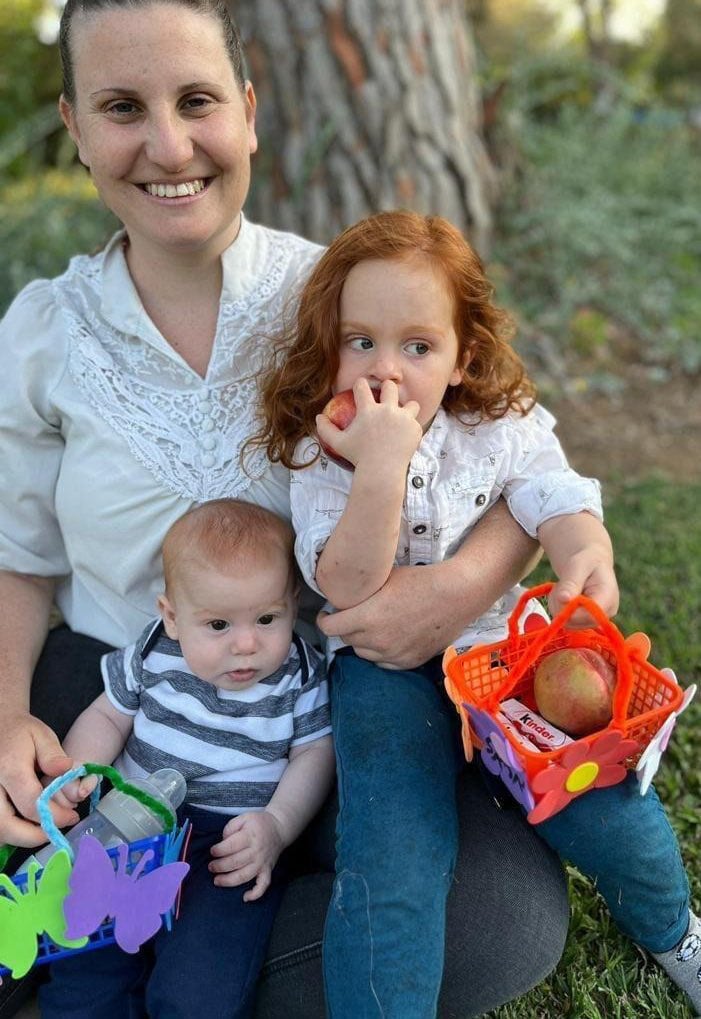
625 844
208 964
398 754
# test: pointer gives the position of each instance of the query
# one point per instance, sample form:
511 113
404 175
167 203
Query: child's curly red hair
299 382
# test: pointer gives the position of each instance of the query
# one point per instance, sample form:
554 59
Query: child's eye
361 343
219 625
267 619
417 348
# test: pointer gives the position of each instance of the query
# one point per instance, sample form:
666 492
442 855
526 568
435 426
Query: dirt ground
646 428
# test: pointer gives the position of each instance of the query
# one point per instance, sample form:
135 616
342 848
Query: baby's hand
249 849
593 577
74 792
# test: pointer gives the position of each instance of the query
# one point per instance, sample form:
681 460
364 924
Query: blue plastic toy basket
160 850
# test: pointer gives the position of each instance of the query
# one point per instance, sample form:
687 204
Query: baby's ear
168 616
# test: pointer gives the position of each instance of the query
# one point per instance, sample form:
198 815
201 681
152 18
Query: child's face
234 628
396 322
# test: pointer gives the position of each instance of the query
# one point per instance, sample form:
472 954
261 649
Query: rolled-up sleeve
34 354
540 484
318 497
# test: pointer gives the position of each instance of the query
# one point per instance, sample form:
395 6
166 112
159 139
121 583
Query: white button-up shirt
457 473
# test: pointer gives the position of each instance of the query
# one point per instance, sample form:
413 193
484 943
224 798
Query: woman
128 393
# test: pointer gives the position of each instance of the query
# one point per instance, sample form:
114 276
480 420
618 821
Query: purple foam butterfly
136 900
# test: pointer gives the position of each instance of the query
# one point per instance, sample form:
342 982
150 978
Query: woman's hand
422 609
404 624
28 748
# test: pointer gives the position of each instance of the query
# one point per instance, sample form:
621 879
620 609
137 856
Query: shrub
44 220
601 211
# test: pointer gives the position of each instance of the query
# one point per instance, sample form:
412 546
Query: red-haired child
400 304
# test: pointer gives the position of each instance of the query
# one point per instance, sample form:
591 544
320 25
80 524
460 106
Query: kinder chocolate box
531 724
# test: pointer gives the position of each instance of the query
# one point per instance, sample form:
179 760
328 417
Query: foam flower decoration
652 755
499 758
583 766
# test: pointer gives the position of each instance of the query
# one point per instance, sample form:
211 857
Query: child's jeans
625 844
398 755
208 964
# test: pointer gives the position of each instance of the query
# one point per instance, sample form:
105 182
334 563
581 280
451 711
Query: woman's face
162 124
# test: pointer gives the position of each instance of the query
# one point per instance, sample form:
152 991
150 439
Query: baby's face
234 628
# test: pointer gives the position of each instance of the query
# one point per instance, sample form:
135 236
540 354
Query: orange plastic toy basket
544 781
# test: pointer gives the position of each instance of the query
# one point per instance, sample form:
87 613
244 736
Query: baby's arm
580 553
252 842
97 735
380 441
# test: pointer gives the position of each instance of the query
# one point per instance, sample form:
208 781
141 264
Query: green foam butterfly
25 915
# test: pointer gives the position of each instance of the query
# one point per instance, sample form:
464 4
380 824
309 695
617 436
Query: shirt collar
243 265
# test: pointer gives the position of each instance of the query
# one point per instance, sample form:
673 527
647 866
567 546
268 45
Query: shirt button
208 460
419 564
481 499
417 482
420 529
207 425
209 442
205 406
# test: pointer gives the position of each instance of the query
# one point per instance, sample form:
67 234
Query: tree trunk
365 105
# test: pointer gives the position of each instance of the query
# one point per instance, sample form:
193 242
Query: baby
220 688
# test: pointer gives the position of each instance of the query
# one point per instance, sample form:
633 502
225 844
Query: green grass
656 530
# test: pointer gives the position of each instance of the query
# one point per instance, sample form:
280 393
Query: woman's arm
27 746
422 609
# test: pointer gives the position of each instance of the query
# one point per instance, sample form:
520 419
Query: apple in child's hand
340 410
573 689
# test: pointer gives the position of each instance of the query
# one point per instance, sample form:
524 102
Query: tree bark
365 105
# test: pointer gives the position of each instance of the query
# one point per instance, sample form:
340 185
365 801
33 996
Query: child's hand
74 792
380 433
249 849
585 574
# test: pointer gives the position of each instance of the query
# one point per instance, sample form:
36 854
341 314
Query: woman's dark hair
214 8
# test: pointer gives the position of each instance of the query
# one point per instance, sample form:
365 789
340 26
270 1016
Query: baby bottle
118 817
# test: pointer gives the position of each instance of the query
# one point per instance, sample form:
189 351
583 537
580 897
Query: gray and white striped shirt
231 746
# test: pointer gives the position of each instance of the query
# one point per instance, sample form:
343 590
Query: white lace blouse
107 436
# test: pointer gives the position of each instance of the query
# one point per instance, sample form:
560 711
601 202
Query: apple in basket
340 410
573 689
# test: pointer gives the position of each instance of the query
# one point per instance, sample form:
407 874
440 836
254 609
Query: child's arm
97 735
252 842
380 441
580 553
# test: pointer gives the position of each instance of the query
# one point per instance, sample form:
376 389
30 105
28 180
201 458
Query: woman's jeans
398 754
209 962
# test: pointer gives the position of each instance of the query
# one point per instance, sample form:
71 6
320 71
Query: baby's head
230 591
355 298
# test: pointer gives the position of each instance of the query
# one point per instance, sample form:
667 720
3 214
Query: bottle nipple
169 784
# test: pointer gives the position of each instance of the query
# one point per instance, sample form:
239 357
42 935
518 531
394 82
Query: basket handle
103 770
624 682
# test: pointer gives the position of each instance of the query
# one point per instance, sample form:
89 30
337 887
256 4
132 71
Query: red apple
340 410
573 689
